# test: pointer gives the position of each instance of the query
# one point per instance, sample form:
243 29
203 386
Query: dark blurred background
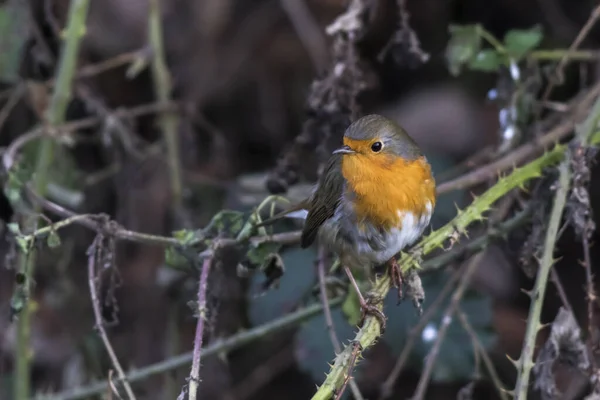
242 75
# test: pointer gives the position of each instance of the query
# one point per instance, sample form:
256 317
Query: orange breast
384 188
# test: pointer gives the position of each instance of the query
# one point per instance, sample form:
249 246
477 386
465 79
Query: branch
218 347
92 278
457 296
55 114
162 89
388 385
518 156
370 331
489 365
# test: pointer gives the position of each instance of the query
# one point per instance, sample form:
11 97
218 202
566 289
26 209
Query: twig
585 30
13 100
92 254
55 114
221 346
489 365
308 31
356 349
521 154
457 295
525 362
329 320
195 373
162 89
370 331
388 385
560 289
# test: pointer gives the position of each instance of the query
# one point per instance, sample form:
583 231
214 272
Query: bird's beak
344 150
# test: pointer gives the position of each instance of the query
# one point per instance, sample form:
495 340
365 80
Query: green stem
370 330
558 54
525 362
491 39
55 115
221 346
162 89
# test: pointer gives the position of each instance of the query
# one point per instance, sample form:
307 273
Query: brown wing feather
324 201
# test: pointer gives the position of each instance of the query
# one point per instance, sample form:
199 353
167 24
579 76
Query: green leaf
464 44
257 255
184 236
519 42
351 308
53 240
487 60
226 223
174 258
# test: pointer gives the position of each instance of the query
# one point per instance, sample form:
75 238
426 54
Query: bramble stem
55 115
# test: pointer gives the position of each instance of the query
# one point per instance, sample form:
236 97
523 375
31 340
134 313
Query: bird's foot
369 307
396 277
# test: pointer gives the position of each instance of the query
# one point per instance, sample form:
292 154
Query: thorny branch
525 362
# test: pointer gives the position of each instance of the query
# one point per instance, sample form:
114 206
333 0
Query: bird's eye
376 147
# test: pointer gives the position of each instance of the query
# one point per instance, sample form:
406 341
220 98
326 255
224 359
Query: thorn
513 361
528 292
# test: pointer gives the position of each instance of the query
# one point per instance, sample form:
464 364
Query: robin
374 198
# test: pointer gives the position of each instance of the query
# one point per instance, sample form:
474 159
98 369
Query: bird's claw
396 277
368 308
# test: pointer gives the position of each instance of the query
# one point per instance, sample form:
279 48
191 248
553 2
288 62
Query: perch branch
92 278
55 115
370 331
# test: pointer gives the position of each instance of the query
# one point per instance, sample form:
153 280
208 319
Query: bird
374 198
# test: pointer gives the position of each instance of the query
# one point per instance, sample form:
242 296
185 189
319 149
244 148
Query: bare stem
162 88
92 256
